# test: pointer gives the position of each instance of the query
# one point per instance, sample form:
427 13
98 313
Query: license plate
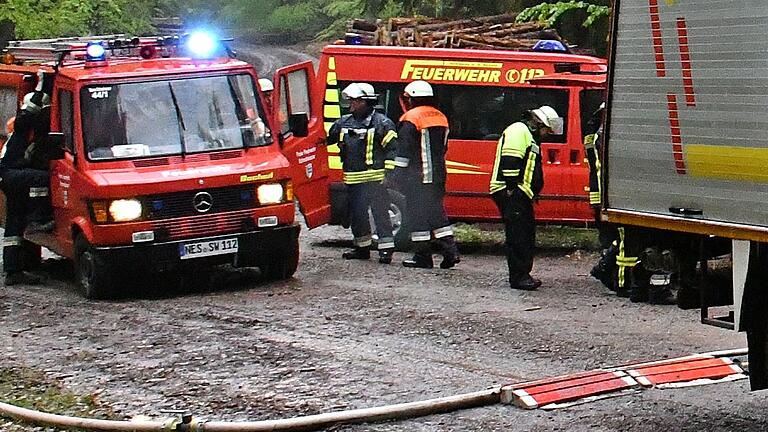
208 248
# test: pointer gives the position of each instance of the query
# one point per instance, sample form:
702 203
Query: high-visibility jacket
591 147
422 144
366 146
518 162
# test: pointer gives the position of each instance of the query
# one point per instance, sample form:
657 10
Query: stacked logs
491 32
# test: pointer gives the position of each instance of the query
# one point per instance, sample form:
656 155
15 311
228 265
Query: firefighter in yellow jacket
516 181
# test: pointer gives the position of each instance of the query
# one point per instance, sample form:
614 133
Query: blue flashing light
95 52
353 39
550 45
202 44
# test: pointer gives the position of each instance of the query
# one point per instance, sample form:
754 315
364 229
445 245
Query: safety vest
517 162
424 152
367 146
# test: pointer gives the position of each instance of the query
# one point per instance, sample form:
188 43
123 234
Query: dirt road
344 335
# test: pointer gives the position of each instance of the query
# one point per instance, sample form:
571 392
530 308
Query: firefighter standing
366 140
607 233
26 189
421 173
516 181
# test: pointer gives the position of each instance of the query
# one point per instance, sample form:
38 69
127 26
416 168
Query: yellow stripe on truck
727 162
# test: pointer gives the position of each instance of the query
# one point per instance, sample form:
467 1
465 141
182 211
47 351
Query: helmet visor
557 125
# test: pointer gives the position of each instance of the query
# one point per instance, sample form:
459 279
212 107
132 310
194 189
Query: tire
92 275
282 264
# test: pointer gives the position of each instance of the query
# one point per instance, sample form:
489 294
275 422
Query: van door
305 150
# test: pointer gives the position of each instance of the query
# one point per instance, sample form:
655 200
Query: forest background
284 21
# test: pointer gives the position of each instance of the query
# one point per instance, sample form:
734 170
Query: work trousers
26 200
520 232
427 220
373 196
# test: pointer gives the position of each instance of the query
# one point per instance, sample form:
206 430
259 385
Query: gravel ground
344 335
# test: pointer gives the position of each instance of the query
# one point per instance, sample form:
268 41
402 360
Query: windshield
162 118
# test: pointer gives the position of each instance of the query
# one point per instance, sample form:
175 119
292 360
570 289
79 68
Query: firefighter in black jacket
420 170
516 181
366 139
26 188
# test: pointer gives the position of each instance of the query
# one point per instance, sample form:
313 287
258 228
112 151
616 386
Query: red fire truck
481 92
170 158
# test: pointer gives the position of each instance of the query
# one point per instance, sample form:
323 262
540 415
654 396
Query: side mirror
56 142
298 123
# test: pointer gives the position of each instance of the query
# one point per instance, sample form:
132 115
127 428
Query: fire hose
185 423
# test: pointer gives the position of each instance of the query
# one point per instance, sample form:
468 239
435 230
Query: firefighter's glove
34 102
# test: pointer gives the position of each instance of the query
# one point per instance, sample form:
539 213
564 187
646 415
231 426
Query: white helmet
35 107
549 118
266 85
419 89
360 91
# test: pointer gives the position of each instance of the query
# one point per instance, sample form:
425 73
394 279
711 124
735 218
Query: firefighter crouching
420 171
366 140
26 186
516 181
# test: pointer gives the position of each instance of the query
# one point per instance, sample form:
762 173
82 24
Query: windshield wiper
180 121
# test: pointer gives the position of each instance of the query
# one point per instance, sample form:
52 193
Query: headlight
270 193
125 210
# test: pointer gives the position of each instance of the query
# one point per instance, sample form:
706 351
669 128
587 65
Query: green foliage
550 13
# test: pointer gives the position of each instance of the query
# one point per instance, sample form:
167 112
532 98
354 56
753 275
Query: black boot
660 291
419 261
525 283
385 256
357 253
450 252
638 294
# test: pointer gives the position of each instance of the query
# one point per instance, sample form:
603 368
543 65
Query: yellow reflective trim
332 95
330 78
727 162
334 149
461 171
332 111
328 126
334 162
332 63
388 137
369 147
461 165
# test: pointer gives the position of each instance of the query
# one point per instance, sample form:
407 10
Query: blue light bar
95 52
202 44
549 45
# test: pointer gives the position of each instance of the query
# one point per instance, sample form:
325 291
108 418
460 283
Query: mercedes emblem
203 202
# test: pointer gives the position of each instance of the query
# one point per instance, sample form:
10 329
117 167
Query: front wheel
92 275
282 263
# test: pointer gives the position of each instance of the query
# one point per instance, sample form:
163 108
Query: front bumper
254 249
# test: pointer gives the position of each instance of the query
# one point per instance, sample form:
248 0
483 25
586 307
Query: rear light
289 191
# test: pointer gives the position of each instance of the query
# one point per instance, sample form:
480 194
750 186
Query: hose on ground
305 423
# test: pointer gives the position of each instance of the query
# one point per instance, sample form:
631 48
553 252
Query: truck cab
170 159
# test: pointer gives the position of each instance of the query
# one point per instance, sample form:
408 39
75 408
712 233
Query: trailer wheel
92 275
282 264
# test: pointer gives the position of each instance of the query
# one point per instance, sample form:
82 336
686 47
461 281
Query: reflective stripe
530 166
363 176
510 173
594 198
418 236
512 152
328 126
386 243
389 165
402 162
369 134
38 192
332 95
589 141
330 78
12 241
624 262
388 137
332 111
443 232
364 241
426 157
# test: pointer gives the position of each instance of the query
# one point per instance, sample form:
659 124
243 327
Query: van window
590 101
8 106
172 117
66 120
476 112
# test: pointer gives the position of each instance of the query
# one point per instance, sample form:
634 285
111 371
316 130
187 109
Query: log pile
491 32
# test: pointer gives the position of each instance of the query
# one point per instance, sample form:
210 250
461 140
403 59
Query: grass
490 238
30 389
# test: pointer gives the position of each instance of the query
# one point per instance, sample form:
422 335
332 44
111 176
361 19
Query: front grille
200 226
181 204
